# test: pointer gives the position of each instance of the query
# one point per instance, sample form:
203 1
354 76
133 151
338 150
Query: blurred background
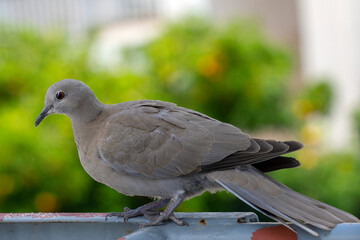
285 69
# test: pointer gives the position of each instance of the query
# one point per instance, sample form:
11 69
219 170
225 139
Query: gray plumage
157 149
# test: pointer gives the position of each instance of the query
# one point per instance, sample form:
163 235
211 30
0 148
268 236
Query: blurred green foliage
357 122
39 168
315 98
231 73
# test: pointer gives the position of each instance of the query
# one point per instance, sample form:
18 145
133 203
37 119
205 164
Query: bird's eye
60 95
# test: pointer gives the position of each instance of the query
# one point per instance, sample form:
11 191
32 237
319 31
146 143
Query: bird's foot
168 213
159 218
150 212
146 210
130 213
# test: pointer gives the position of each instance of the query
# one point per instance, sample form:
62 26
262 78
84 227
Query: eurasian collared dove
157 149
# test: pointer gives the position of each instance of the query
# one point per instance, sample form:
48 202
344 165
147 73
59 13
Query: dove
160 150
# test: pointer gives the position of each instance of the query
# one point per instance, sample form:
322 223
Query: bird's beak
45 112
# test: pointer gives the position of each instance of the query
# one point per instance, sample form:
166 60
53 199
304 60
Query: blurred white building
324 34
329 43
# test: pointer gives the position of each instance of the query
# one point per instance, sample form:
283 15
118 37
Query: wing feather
160 140
260 151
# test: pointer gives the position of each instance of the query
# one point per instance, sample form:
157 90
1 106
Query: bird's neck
88 112
84 123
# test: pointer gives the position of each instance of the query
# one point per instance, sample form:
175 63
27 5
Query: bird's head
70 97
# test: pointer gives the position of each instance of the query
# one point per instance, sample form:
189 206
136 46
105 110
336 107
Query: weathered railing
211 225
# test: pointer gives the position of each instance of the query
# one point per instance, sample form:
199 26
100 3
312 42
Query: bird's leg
168 213
146 210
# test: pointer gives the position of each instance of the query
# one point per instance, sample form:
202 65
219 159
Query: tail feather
277 163
280 202
336 214
330 210
265 209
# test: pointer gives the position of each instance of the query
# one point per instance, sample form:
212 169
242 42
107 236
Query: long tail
278 201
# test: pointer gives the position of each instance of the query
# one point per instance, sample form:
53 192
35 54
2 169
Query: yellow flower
311 134
209 66
308 157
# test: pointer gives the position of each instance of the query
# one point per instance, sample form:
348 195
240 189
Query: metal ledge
100 217
214 225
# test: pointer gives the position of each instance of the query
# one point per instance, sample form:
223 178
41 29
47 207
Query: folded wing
161 140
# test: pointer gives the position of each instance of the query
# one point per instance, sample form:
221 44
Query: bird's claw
150 212
130 213
178 221
114 214
156 220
